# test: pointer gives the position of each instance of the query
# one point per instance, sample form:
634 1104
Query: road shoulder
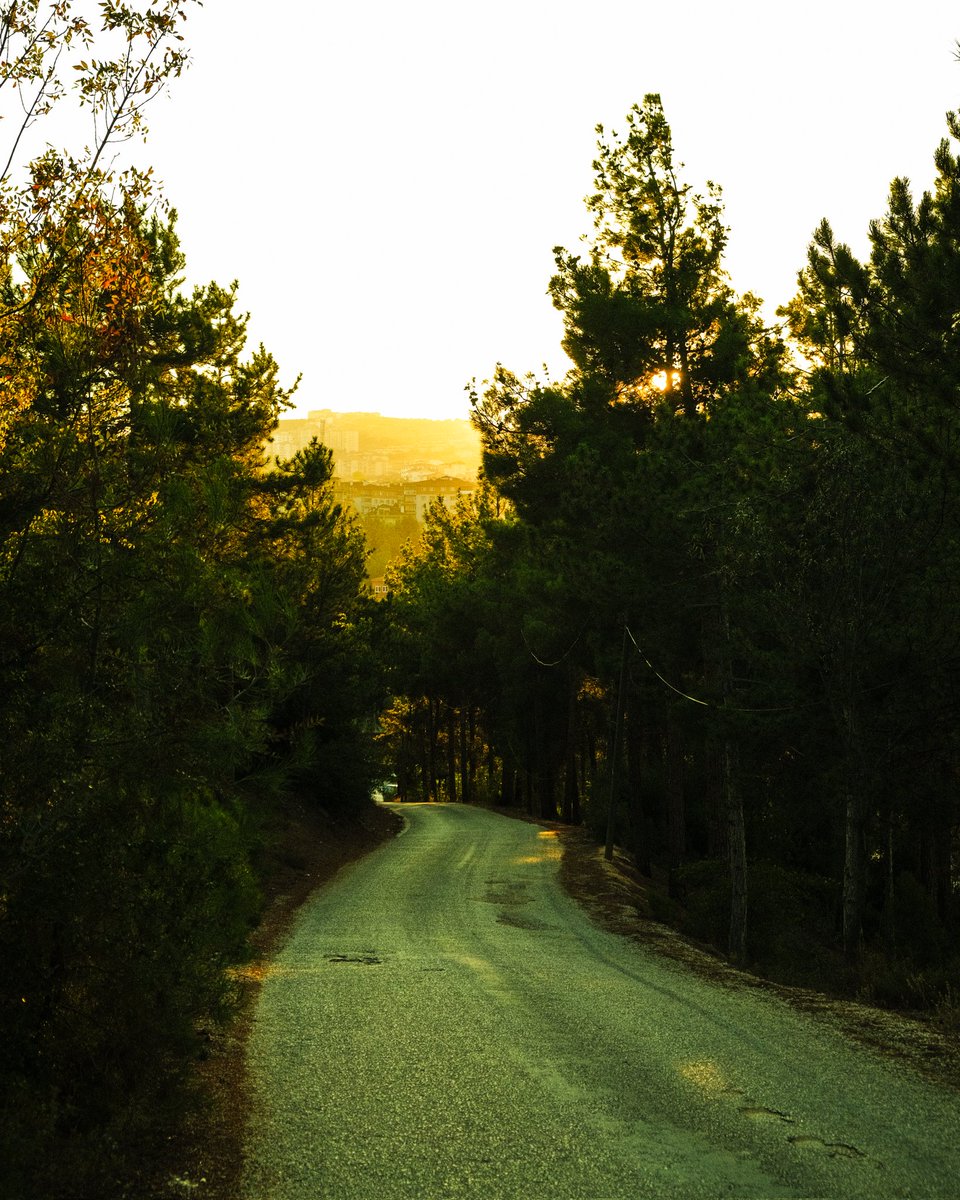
205 1157
617 898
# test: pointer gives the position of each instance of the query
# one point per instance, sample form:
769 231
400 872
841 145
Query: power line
709 703
566 654
665 682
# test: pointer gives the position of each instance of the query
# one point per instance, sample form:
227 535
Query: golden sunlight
659 381
706 1075
548 850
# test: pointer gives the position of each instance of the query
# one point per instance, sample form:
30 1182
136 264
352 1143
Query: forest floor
205 1159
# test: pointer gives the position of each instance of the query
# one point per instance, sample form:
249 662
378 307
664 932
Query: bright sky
387 180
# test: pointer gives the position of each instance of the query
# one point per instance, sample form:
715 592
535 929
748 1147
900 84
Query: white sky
387 180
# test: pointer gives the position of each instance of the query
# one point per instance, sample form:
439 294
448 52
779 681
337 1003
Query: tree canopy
704 598
714 611
183 627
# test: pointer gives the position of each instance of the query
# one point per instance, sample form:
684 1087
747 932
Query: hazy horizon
390 192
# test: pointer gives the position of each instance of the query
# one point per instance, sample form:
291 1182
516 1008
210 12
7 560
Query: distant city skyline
373 446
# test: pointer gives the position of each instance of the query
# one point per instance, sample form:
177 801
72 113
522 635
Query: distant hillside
370 446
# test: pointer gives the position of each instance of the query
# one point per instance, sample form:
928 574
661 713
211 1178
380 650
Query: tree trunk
936 851
543 766
854 871
405 763
717 648
465 795
426 753
856 805
737 846
889 898
548 798
571 791
451 754
492 774
508 784
676 809
635 745
615 755
686 385
433 766
471 784
717 847
588 758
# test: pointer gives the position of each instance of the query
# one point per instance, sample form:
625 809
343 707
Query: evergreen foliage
182 638
706 602
183 646
713 612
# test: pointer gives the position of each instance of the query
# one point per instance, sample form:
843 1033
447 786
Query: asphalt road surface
444 1021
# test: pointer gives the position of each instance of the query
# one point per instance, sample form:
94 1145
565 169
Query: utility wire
665 682
708 703
566 654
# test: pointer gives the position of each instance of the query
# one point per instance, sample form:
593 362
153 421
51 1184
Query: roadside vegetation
706 602
183 639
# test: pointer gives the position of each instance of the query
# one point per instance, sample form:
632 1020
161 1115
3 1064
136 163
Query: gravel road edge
206 1159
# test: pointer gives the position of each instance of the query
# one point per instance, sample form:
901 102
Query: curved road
444 1021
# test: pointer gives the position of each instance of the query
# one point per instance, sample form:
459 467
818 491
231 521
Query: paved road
444 1021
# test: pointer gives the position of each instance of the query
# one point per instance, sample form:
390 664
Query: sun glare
706 1075
659 381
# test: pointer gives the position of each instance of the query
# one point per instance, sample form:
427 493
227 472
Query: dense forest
709 601
183 636
706 601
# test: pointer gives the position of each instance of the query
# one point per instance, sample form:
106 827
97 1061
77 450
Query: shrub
118 926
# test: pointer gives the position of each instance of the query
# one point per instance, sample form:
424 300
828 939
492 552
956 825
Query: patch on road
506 891
761 1113
834 1149
518 922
